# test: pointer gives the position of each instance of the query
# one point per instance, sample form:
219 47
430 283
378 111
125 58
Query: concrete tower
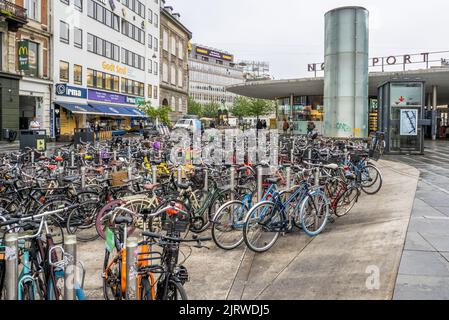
346 73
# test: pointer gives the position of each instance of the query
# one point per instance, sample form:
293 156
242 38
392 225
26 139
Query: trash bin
34 139
83 135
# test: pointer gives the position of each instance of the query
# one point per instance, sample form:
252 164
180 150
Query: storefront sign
112 67
69 91
409 122
96 95
52 121
214 54
24 55
380 63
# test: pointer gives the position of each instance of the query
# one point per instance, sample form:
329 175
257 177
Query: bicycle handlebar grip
151 234
9 222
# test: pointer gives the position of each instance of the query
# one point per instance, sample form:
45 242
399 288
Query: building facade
33 45
13 16
106 62
210 72
174 81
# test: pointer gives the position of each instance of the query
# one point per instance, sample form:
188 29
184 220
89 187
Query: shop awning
117 111
78 108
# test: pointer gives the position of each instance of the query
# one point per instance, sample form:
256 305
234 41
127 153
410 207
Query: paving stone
416 242
421 288
423 263
438 241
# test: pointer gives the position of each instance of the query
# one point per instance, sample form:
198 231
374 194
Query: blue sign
69 91
96 95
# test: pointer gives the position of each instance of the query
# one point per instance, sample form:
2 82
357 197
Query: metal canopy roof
275 89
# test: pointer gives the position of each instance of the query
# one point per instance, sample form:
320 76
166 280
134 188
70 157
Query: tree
210 110
241 107
161 113
260 107
194 108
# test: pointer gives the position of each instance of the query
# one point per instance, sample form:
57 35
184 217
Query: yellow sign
40 144
114 68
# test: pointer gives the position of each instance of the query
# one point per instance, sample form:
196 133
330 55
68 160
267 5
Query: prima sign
399 60
69 91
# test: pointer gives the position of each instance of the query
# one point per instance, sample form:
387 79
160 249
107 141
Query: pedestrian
212 125
264 124
34 124
97 130
286 126
310 128
259 125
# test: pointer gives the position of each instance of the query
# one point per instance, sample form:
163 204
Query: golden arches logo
23 51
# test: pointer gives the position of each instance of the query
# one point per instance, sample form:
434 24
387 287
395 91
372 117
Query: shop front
34 101
299 111
76 108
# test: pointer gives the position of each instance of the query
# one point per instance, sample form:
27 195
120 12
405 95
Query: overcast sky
289 34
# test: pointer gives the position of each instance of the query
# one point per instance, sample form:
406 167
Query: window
150 16
133 87
150 41
173 75
64 32
102 80
33 9
133 32
150 91
165 40
180 78
155 92
156 20
103 15
150 66
133 59
90 77
136 6
156 68
78 38
33 59
181 50
173 45
1 50
102 47
63 71
78 74
165 72
156 44
98 79
78 4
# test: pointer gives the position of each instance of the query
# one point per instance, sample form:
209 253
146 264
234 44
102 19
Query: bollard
12 267
83 177
32 157
72 159
259 183
309 155
289 178
232 184
292 152
100 159
70 274
131 268
114 155
129 153
179 175
206 180
317 177
154 172
130 177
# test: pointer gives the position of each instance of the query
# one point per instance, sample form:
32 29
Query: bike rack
131 268
12 265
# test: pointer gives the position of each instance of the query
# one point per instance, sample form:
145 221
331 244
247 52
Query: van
192 124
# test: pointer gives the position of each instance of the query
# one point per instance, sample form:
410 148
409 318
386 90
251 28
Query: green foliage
249 107
161 113
210 110
194 108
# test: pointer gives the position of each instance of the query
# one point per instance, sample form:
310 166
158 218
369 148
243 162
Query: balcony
14 15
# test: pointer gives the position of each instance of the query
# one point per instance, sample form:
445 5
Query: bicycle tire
365 188
82 221
346 202
310 203
216 226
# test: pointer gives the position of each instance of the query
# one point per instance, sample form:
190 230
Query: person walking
97 130
34 124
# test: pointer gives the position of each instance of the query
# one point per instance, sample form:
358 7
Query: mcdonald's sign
24 55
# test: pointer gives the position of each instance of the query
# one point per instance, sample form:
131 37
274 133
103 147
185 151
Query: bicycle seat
273 180
331 166
123 220
70 179
150 186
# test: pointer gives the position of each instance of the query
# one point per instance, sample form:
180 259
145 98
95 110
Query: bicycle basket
175 223
118 178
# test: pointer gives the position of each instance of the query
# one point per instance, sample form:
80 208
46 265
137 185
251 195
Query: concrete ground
424 268
357 257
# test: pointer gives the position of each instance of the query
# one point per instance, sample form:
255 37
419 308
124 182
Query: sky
289 34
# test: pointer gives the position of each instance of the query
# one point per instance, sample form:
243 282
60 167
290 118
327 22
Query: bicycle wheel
346 202
227 225
81 221
175 291
371 179
103 219
314 213
112 285
260 229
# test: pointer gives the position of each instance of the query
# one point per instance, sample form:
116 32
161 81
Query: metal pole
309 155
32 157
206 180
115 155
292 152
131 268
259 183
289 178
154 171
130 177
179 175
83 177
70 280
232 185
12 267
434 118
72 159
